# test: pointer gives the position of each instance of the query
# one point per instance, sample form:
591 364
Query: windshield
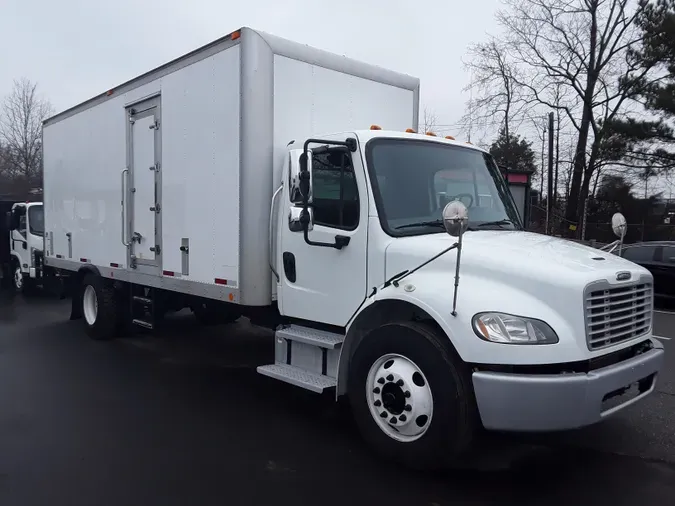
36 220
413 180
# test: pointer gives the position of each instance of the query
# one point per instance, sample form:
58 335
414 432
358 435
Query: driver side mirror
13 219
300 176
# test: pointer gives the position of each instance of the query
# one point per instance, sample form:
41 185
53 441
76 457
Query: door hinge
155 125
155 167
156 208
156 249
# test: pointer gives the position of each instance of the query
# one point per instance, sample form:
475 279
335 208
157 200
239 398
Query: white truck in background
24 224
244 179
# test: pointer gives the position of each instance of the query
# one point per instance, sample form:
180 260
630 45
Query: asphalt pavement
183 419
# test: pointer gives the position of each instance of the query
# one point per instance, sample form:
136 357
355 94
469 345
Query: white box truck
245 179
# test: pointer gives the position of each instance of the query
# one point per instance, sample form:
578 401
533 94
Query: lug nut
377 404
393 420
381 381
400 382
403 418
390 377
376 390
384 414
407 394
408 407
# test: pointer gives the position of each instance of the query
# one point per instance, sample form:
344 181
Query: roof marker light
450 137
410 131
431 134
375 127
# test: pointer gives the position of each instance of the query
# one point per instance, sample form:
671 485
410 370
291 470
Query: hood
510 255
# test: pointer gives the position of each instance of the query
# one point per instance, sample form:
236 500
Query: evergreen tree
513 152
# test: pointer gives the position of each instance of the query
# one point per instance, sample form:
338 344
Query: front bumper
551 402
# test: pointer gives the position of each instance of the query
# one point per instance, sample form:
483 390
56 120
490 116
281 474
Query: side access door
143 231
319 282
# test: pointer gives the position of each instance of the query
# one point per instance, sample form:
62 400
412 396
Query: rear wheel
99 308
411 396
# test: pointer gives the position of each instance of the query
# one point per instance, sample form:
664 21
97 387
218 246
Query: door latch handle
136 237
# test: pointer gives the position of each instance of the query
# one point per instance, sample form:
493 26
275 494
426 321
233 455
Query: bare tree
498 95
21 119
429 121
581 46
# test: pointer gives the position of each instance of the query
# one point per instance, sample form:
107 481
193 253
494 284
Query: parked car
659 258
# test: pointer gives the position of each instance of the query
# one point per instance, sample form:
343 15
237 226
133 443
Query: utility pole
541 175
557 154
549 197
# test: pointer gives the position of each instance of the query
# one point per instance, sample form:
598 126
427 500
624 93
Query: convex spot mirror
455 218
300 176
619 225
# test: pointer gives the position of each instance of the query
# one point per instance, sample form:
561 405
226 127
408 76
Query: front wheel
17 277
411 396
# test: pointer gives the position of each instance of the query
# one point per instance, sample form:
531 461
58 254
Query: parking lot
183 418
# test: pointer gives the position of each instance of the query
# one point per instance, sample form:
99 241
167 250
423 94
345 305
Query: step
142 300
143 323
320 338
298 377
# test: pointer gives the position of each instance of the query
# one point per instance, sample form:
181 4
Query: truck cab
532 333
25 223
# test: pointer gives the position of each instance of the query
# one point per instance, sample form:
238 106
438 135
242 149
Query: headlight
510 329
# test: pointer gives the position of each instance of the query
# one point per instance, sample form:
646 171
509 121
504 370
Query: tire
100 311
451 420
18 279
213 313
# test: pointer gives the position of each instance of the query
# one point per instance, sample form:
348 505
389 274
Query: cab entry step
298 377
315 337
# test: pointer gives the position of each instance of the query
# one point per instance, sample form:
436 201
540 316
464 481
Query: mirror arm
340 240
396 278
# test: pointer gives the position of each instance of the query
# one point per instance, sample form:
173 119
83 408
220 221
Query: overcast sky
75 49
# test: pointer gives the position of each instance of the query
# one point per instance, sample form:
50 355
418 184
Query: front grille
614 315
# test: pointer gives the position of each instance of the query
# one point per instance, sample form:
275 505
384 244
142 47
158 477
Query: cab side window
334 190
20 212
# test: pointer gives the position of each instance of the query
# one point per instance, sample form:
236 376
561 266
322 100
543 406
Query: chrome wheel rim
90 305
399 397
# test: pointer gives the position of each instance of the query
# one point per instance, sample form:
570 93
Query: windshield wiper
495 223
434 223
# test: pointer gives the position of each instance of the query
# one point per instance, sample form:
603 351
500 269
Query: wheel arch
14 257
76 289
373 316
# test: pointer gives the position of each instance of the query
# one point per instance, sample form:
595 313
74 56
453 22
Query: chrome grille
614 315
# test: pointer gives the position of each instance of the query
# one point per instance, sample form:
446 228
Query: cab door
318 281
19 238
